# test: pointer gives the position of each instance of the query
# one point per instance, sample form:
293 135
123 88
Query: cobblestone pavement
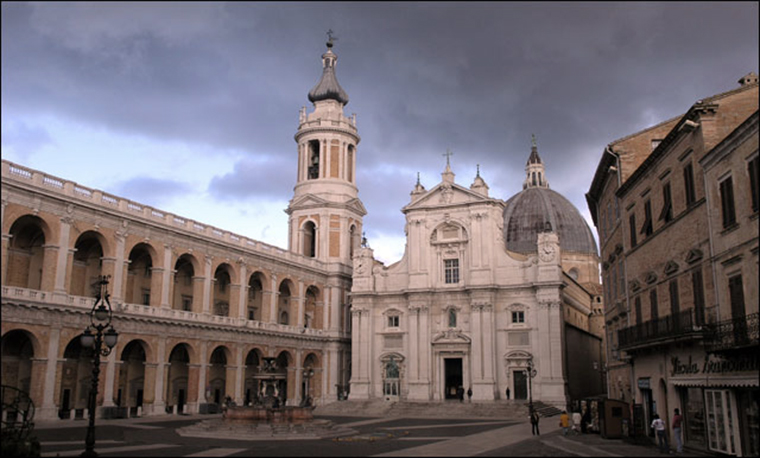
374 437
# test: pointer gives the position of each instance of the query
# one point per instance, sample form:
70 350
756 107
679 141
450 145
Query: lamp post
531 373
308 373
100 319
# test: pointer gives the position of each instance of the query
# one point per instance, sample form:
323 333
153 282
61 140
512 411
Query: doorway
452 376
521 385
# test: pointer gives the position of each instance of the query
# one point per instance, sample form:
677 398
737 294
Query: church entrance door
521 385
453 377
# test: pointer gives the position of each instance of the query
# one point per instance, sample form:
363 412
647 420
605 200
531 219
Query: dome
328 87
528 212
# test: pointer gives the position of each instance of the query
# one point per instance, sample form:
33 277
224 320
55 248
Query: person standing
659 428
677 421
534 419
469 394
507 393
564 422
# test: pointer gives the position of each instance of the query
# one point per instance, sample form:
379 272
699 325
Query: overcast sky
192 107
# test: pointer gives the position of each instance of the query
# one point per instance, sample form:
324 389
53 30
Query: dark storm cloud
478 78
155 192
266 177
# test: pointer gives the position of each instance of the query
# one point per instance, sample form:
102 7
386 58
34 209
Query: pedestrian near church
534 419
564 422
659 427
576 422
677 421
507 393
469 394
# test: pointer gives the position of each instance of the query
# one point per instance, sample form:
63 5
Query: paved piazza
375 437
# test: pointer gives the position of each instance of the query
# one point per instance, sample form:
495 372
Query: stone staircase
442 409
546 410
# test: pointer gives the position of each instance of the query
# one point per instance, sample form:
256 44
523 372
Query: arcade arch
26 252
140 275
87 265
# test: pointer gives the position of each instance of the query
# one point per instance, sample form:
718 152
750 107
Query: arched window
309 239
313 170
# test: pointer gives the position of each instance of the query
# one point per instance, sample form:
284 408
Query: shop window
720 425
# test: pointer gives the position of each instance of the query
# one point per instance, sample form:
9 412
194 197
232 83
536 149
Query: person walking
564 422
507 393
677 421
659 428
469 394
576 422
534 419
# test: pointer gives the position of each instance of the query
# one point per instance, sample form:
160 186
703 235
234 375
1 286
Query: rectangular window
632 227
667 204
736 293
393 321
146 297
646 228
688 183
451 270
621 278
674 301
727 202
638 309
653 307
251 313
699 297
754 172
518 317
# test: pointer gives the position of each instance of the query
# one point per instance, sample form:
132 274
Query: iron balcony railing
661 330
734 333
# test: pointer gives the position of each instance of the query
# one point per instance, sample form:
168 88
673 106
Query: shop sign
712 365
644 383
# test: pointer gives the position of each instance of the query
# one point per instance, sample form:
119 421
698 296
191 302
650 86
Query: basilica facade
500 298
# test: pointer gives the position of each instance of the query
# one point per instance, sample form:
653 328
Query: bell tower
325 213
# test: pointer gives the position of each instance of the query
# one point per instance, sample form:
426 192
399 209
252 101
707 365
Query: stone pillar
273 302
48 409
335 297
195 387
207 292
360 356
424 345
198 294
298 378
156 286
109 379
300 305
37 388
50 256
202 373
242 293
63 257
413 360
166 278
159 401
239 375
6 241
149 387
117 292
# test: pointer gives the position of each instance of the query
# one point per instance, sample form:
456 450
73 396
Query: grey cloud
23 138
263 177
156 192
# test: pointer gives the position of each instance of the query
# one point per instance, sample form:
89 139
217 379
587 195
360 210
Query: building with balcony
673 206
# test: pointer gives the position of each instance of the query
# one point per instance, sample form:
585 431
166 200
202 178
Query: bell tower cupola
535 175
325 214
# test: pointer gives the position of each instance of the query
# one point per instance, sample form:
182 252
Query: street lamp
100 319
531 373
308 373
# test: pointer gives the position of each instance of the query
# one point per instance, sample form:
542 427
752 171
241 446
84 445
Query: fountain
268 418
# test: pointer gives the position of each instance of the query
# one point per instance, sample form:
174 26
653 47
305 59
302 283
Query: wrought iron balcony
735 333
682 326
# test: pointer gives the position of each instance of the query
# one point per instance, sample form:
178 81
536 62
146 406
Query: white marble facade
458 308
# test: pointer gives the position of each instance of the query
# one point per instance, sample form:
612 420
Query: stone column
196 388
117 291
199 288
36 390
109 379
202 373
166 278
300 307
207 292
242 297
273 302
63 257
159 401
424 345
50 256
298 378
6 241
239 375
48 410
156 286
334 301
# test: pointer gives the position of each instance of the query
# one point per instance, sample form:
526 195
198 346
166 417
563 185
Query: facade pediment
451 336
446 194
309 200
